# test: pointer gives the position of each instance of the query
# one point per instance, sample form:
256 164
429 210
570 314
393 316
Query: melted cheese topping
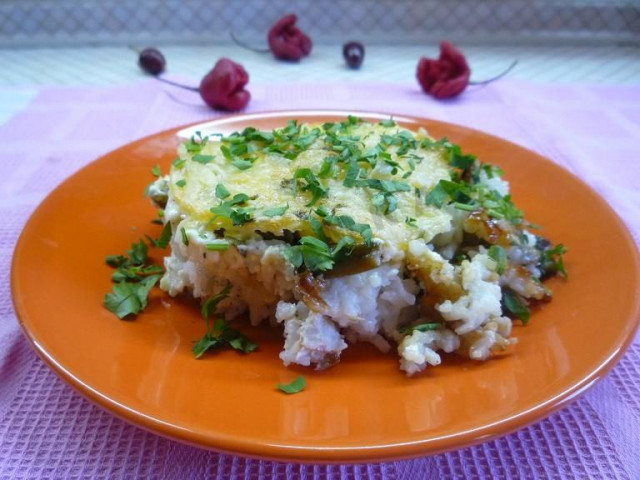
269 183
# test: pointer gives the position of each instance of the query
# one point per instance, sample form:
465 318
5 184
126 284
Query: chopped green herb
181 183
387 186
348 223
328 168
203 159
228 209
388 123
163 240
242 163
499 255
155 170
311 184
296 386
211 304
222 192
196 142
138 252
129 298
185 237
410 221
515 305
422 327
178 162
316 226
217 246
275 211
351 177
436 197
220 333
552 260
226 152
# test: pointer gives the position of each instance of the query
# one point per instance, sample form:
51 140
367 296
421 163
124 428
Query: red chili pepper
223 87
288 42
447 76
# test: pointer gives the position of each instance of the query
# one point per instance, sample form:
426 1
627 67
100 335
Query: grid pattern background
73 22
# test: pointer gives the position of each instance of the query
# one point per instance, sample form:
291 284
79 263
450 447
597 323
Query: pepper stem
169 82
181 102
497 77
240 43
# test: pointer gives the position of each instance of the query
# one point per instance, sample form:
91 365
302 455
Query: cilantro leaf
296 386
181 183
155 170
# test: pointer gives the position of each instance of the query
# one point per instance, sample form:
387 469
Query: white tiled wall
75 22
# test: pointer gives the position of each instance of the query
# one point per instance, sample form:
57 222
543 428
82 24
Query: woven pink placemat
47 430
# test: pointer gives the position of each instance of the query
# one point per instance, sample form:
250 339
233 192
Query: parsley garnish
196 142
163 240
310 184
185 237
296 386
242 163
422 327
230 210
222 192
178 162
328 168
128 298
203 159
220 333
348 223
217 246
275 211
181 183
499 255
552 261
515 305
388 123
135 279
385 200
155 170
317 255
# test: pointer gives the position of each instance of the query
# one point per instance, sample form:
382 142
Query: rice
434 283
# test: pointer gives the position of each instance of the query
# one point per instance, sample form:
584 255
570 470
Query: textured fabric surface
47 430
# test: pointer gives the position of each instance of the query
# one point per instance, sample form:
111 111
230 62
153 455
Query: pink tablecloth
47 430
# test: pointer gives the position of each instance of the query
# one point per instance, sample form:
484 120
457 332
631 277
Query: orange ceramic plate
362 409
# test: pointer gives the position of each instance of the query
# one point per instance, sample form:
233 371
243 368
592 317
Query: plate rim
330 455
